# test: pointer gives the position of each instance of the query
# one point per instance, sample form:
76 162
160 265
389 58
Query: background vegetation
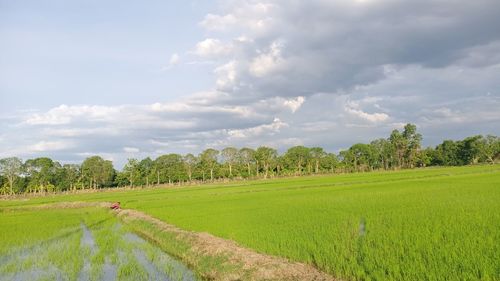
401 150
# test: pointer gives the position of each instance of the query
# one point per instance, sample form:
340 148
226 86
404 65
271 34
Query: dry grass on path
247 264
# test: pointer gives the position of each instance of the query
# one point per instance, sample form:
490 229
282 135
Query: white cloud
294 104
226 75
268 62
353 107
218 22
270 129
210 48
254 16
64 114
47 146
131 149
372 117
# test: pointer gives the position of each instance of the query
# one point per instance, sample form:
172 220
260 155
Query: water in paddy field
175 269
109 271
34 263
89 243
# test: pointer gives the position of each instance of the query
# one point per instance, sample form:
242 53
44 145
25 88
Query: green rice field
78 244
422 224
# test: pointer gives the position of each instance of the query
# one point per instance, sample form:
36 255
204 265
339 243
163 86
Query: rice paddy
79 244
425 224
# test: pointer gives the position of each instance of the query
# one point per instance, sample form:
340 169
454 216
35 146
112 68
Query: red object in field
115 206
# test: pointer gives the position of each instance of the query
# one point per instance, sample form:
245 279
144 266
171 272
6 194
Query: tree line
401 150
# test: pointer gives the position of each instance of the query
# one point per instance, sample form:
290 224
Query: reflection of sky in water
157 264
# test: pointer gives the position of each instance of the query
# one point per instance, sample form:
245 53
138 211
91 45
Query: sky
131 79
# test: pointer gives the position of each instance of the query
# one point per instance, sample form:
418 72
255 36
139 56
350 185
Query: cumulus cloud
64 114
268 62
302 48
186 125
318 73
258 131
372 117
210 47
226 75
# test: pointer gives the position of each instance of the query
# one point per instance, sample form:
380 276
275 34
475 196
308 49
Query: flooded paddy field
79 244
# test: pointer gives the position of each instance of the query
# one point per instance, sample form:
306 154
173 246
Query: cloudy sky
129 79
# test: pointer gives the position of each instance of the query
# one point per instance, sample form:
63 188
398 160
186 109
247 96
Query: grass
425 224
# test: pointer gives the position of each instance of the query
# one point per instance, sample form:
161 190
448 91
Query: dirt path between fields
248 264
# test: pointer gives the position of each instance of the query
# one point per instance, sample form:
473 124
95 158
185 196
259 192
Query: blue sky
105 52
126 79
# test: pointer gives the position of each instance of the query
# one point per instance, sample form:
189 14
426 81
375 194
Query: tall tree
470 149
11 168
490 148
265 156
146 167
447 154
298 157
424 157
208 160
317 154
383 153
42 173
230 156
69 177
98 172
122 178
398 143
329 162
346 160
247 158
132 171
189 163
171 167
362 156
412 140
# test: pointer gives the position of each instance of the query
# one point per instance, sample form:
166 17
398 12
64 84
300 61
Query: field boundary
243 263
211 257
